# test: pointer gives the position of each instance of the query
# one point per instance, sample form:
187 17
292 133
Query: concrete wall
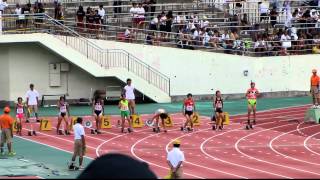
202 73
22 64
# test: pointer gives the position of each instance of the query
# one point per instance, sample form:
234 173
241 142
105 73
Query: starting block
168 122
226 118
136 121
196 119
15 126
312 116
73 122
106 122
45 125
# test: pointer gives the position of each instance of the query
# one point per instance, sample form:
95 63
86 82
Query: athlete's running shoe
11 153
247 127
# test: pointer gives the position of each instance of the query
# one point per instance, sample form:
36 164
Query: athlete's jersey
98 106
188 104
218 103
63 107
19 108
252 93
124 105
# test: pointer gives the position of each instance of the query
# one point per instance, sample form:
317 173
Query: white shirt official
78 131
32 96
129 92
175 156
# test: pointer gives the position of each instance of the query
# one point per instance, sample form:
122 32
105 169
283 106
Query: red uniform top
252 93
188 104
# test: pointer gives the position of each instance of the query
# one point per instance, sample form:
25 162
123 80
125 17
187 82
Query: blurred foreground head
117 166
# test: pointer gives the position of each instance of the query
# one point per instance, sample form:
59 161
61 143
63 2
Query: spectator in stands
128 35
285 42
152 7
204 23
287 9
88 17
90 20
226 8
101 13
163 21
117 9
273 16
141 15
60 15
97 22
134 14
39 10
169 20
195 36
263 10
146 5
26 10
206 39
260 46
18 12
154 23
80 17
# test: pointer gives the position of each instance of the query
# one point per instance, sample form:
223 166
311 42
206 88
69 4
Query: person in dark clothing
117 9
273 16
152 7
97 22
80 17
117 166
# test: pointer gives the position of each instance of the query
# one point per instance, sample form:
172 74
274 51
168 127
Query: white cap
160 111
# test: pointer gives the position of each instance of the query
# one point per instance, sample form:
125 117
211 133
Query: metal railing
107 58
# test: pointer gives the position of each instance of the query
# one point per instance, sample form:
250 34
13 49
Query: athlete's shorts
98 113
163 116
124 114
19 116
6 136
189 113
252 102
219 110
63 114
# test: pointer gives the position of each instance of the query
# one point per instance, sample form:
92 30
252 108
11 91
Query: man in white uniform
32 97
175 159
3 5
79 145
129 91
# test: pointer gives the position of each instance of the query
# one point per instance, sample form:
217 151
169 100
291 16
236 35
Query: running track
276 148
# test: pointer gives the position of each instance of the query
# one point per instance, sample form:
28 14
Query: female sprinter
163 115
64 112
98 111
252 94
218 106
19 115
125 114
188 109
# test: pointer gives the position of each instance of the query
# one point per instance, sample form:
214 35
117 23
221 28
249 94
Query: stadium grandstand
126 84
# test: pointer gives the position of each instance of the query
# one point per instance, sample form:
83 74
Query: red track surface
276 148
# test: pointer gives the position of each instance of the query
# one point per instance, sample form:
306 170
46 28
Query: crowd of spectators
298 33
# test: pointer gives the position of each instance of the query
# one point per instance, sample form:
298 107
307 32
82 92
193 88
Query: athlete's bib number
106 123
63 109
189 108
124 108
137 121
45 125
20 110
98 107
